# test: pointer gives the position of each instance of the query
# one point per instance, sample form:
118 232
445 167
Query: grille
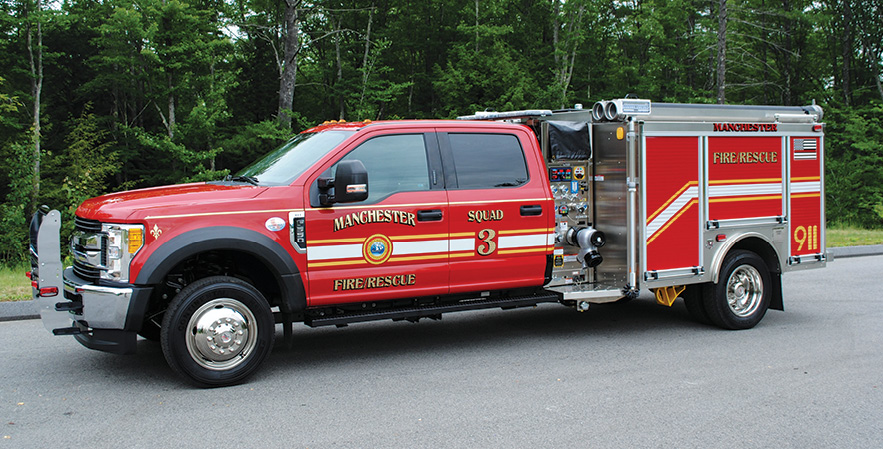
86 273
86 225
84 270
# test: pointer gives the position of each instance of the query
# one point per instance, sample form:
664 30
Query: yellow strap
666 295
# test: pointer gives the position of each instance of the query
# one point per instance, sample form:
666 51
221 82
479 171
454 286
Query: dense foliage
104 95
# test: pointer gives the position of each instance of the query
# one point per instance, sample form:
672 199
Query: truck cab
346 222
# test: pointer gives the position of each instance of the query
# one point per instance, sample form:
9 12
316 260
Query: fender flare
721 253
777 300
271 253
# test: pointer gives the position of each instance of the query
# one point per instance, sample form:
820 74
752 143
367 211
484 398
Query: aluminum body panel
595 294
731 113
611 201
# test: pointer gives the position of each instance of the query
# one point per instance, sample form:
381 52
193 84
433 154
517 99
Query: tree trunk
476 27
876 71
171 123
339 81
556 15
722 52
764 50
36 66
846 51
787 95
288 69
565 49
366 71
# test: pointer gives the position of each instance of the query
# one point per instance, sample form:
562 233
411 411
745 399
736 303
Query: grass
844 235
14 286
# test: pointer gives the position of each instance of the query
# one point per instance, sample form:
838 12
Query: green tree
854 165
16 189
87 162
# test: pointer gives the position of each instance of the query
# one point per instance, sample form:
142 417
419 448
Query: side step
430 311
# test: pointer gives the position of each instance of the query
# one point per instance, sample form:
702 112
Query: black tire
694 302
237 331
742 295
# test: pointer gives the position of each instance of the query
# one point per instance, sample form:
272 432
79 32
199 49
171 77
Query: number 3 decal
487 236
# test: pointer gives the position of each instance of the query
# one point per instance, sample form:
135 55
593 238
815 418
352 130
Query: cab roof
356 126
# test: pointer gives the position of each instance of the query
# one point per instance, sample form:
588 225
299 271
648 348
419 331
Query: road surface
631 375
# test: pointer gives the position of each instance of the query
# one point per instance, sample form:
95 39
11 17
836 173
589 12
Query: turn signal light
136 238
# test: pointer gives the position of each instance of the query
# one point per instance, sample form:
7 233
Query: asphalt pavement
625 375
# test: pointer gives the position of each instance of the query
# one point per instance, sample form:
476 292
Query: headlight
123 242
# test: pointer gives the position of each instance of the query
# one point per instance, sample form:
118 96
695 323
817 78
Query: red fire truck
403 220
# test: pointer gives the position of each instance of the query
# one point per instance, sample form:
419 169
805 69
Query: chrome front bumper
100 317
102 307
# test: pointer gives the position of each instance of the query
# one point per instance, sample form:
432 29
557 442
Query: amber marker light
136 238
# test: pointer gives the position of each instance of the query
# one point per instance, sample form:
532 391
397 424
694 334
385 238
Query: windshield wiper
241 178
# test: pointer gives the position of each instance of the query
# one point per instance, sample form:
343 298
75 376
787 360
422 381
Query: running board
430 311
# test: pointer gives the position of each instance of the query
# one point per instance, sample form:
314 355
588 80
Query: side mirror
350 184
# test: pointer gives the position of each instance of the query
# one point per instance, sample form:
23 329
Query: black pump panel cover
569 140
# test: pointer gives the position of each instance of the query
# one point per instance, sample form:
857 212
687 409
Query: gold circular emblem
377 249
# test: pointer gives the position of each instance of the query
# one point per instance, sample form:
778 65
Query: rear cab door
395 243
500 203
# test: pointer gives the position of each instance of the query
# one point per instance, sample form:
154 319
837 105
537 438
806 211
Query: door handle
531 210
429 215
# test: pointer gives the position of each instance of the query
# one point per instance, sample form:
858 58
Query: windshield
284 164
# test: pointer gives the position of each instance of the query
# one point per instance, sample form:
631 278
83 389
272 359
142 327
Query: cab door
395 243
501 214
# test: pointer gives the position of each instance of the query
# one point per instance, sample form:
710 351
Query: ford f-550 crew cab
351 222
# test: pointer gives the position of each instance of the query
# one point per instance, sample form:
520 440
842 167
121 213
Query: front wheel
217 331
742 295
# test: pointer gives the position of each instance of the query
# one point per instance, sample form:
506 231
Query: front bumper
102 317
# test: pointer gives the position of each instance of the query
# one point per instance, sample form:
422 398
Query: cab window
485 161
395 163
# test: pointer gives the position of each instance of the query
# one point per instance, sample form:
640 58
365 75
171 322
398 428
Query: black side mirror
349 185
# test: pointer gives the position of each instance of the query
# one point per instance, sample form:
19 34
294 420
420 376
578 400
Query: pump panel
571 188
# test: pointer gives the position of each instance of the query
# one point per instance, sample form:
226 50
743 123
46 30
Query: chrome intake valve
589 240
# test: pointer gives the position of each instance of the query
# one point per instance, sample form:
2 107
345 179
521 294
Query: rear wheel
694 302
217 331
742 295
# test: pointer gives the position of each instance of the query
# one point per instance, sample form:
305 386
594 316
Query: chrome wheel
744 290
741 298
217 331
221 334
